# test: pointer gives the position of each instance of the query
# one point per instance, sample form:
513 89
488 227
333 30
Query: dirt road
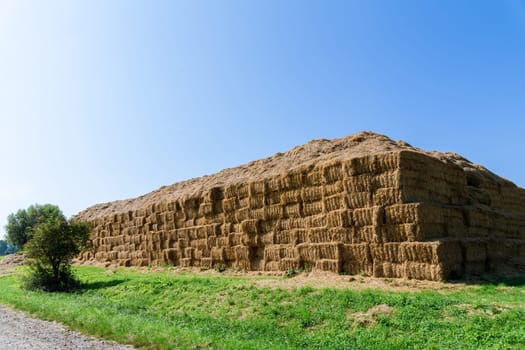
20 332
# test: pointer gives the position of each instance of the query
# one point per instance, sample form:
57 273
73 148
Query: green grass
162 310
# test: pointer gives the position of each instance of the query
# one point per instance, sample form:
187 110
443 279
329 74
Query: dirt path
21 332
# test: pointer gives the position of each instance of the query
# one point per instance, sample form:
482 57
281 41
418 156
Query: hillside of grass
164 310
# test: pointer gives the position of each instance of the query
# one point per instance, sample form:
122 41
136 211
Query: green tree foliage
6 248
20 226
54 243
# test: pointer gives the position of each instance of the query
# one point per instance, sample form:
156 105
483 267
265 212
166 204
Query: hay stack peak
362 203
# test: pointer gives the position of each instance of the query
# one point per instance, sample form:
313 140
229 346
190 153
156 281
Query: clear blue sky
104 100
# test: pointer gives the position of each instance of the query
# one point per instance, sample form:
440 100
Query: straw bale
337 187
341 234
291 197
329 250
271 198
363 234
243 202
422 232
314 221
293 180
236 238
299 236
319 235
449 253
311 194
241 253
272 252
292 210
251 226
312 208
273 212
339 218
242 214
388 269
358 200
243 190
333 171
394 233
328 265
334 202
363 216
186 262
424 252
271 266
286 264
386 196
268 226
256 201
389 252
229 254
506 257
250 239
171 256
266 238
290 223
257 214
387 161
212 241
230 204
308 253
314 178
283 237
357 166
356 258
223 241
225 229
206 262
424 271
189 252
217 253
474 250
139 262
359 183
356 252
256 188
388 179
274 184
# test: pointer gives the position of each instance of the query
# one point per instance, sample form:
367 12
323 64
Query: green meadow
167 310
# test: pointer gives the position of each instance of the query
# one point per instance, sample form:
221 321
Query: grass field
163 310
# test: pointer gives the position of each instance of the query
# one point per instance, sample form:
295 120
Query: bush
220 268
49 253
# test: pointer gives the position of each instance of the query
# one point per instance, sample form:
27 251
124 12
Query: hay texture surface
360 204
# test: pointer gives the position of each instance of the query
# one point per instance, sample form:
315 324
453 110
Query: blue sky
104 100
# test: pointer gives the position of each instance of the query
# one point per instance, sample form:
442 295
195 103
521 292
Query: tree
6 248
20 226
54 243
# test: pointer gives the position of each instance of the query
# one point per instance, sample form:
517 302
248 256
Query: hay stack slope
359 204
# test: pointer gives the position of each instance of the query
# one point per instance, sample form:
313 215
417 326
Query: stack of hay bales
362 204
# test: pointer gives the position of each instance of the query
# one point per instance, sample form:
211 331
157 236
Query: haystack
359 204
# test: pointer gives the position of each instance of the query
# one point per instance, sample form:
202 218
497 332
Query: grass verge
162 310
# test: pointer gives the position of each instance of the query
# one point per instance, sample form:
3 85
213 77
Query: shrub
290 273
49 253
220 268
